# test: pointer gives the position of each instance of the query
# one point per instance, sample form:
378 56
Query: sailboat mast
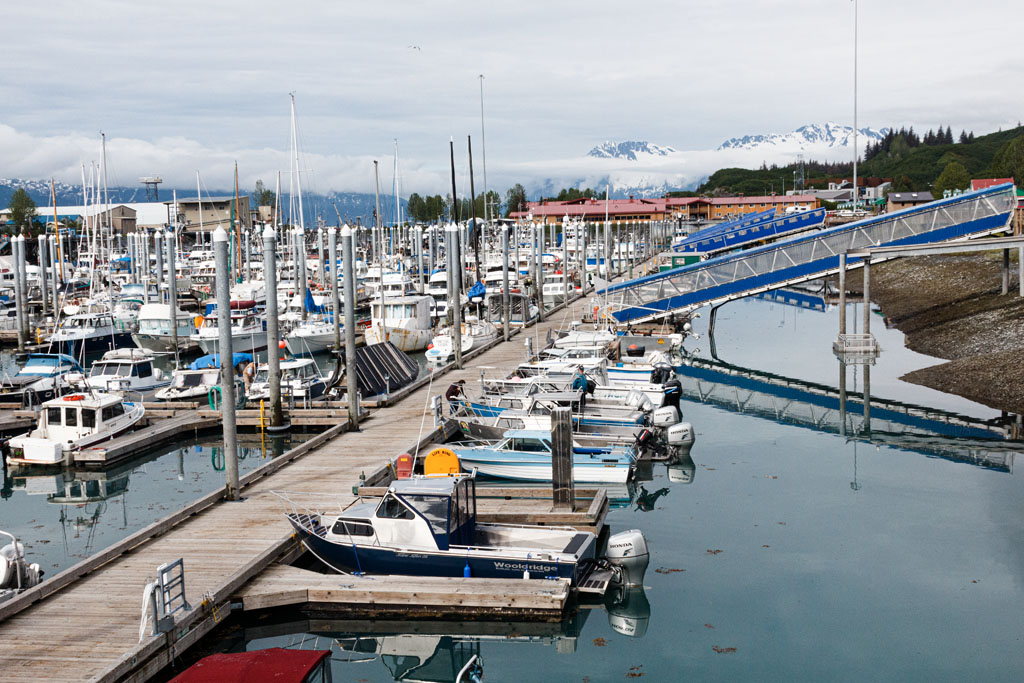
199 201
298 177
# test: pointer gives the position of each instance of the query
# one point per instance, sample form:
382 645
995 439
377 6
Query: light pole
856 194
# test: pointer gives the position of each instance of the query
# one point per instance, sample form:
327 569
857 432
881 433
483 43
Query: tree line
437 208
904 139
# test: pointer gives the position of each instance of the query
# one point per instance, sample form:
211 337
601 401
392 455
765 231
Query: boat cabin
426 512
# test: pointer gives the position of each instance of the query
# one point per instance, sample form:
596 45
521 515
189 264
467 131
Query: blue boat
427 526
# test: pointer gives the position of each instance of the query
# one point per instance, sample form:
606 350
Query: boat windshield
111 369
433 508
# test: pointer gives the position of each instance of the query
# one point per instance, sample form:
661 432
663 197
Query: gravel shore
951 307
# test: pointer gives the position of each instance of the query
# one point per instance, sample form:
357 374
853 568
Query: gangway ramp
720 239
807 257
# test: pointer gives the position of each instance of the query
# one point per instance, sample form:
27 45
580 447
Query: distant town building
216 212
906 200
663 208
984 183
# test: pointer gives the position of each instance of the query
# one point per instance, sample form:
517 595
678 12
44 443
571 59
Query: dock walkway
88 629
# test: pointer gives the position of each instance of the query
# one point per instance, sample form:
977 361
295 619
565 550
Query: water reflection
65 516
853 414
431 650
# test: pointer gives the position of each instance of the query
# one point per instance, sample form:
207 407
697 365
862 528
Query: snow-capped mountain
814 137
630 149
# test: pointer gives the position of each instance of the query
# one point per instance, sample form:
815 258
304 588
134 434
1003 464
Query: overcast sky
196 85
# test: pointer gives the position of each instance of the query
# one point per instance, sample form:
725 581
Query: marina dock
83 623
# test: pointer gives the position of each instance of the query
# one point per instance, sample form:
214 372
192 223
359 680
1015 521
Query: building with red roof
662 208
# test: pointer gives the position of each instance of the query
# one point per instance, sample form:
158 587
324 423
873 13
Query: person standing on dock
248 374
453 393
579 383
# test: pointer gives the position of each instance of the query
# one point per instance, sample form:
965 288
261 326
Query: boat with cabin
70 423
405 321
300 378
196 381
154 329
42 377
128 369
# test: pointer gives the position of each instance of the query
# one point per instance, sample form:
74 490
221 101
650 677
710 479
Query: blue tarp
476 290
311 306
213 361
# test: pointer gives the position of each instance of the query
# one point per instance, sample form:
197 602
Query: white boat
195 381
154 329
93 331
43 376
404 321
311 337
73 422
437 287
122 370
300 378
522 310
474 334
248 332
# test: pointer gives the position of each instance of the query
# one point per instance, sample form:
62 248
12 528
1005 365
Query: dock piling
1006 272
227 375
332 254
349 268
172 292
273 362
563 495
19 296
842 293
504 283
159 252
867 295
43 293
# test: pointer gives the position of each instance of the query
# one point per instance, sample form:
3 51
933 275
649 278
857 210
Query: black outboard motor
661 374
635 351
673 393
591 386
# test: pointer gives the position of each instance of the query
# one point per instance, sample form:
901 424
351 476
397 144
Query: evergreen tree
1009 161
262 196
953 177
418 208
963 137
515 199
23 209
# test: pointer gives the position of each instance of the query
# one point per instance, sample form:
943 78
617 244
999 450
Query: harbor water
793 549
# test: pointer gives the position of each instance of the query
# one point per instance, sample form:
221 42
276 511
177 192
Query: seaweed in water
635 672
600 642
667 570
723 650
713 552
708 626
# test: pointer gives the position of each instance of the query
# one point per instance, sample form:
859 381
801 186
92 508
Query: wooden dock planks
384 596
88 628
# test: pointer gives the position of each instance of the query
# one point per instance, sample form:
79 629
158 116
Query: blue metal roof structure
735 237
807 257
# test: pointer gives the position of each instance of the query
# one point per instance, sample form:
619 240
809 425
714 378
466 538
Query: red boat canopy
274 665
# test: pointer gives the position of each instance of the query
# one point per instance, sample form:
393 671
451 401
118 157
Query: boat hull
405 340
427 562
249 343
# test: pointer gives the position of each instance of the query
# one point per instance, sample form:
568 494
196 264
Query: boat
300 379
405 321
248 331
311 337
427 526
70 423
437 287
474 334
154 329
201 375
89 332
261 666
126 370
525 455
42 377
16 573
518 305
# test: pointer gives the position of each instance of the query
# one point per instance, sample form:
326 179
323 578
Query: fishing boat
126 370
201 375
42 377
248 330
405 321
89 332
525 455
70 423
427 526
522 310
437 288
474 334
154 329
300 379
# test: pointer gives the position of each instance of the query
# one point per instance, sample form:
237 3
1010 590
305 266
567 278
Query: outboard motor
635 351
673 393
661 374
627 551
665 416
679 435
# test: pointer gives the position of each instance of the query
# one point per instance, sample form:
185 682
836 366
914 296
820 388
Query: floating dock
407 597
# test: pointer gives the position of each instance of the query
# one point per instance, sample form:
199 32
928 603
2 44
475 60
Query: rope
423 417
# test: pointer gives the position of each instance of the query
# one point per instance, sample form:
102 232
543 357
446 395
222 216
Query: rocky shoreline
951 307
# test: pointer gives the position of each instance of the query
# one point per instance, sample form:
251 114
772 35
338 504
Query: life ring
75 397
